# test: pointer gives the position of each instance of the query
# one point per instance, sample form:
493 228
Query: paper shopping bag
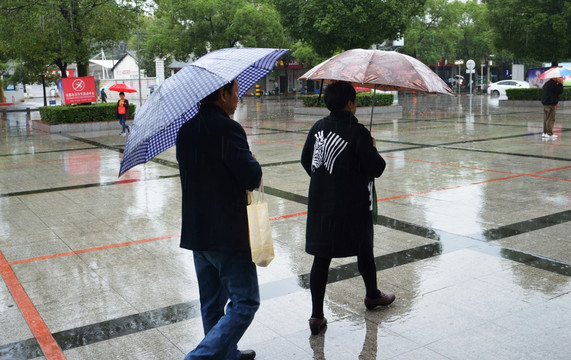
261 242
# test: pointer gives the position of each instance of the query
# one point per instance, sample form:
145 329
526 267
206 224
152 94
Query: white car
499 88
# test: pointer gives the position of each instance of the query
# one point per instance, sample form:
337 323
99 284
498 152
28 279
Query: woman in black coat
341 158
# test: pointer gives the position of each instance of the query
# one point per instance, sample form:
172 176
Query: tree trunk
62 67
82 69
44 88
2 97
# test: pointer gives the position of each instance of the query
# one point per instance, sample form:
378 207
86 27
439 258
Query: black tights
320 270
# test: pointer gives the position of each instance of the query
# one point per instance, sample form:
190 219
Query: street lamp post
459 62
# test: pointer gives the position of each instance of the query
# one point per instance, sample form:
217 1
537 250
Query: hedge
363 99
534 94
66 114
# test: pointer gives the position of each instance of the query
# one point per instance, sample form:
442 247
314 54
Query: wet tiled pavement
473 238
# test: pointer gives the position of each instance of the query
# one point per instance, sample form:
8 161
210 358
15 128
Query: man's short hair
338 94
121 93
216 94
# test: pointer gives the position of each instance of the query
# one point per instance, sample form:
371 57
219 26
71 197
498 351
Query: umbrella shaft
373 108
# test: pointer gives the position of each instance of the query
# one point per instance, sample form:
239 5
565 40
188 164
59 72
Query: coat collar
213 108
344 116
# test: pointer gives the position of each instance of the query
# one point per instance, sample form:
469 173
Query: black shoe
247 354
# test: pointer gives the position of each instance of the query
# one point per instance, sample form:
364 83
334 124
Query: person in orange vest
122 112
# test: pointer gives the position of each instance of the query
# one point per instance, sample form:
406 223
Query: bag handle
261 190
261 194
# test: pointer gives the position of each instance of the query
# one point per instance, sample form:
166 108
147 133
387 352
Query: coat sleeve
238 158
307 152
370 162
559 89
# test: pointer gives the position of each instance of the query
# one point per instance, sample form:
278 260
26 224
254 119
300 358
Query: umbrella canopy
104 88
361 89
153 86
177 100
383 70
555 72
122 87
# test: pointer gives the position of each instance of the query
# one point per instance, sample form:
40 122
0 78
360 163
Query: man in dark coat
341 158
550 98
216 169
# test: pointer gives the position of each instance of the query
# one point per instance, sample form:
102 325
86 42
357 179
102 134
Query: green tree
477 37
137 41
58 32
434 34
331 26
534 29
452 30
182 27
305 53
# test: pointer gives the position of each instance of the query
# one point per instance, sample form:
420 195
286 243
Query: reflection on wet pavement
472 236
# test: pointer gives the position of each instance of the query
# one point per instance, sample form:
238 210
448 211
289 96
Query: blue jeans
123 122
224 277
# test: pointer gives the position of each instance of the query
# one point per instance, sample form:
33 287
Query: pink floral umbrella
379 70
383 70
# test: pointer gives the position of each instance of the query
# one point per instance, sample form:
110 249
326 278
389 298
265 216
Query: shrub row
534 94
363 99
67 114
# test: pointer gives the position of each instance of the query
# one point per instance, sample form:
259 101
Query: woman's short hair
338 94
121 93
216 94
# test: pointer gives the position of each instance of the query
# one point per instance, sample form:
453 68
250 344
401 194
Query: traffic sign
470 64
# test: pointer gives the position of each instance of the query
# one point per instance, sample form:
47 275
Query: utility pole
139 63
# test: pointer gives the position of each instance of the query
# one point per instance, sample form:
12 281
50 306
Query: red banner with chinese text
77 90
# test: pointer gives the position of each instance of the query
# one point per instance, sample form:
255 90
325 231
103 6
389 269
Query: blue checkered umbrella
177 100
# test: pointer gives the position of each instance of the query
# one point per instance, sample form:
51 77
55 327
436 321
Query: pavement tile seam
67 150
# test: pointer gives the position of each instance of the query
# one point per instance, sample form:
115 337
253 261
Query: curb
78 127
364 110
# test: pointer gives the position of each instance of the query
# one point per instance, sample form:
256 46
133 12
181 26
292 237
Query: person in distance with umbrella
341 158
216 168
123 112
550 98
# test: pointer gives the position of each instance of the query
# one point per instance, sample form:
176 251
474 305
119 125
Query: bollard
259 92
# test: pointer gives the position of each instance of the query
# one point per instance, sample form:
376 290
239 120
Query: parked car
499 88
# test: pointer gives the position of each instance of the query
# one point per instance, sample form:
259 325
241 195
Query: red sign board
77 90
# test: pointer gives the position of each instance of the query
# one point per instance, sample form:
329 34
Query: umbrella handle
320 91
373 108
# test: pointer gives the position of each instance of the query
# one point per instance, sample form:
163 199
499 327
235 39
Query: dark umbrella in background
378 70
178 98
